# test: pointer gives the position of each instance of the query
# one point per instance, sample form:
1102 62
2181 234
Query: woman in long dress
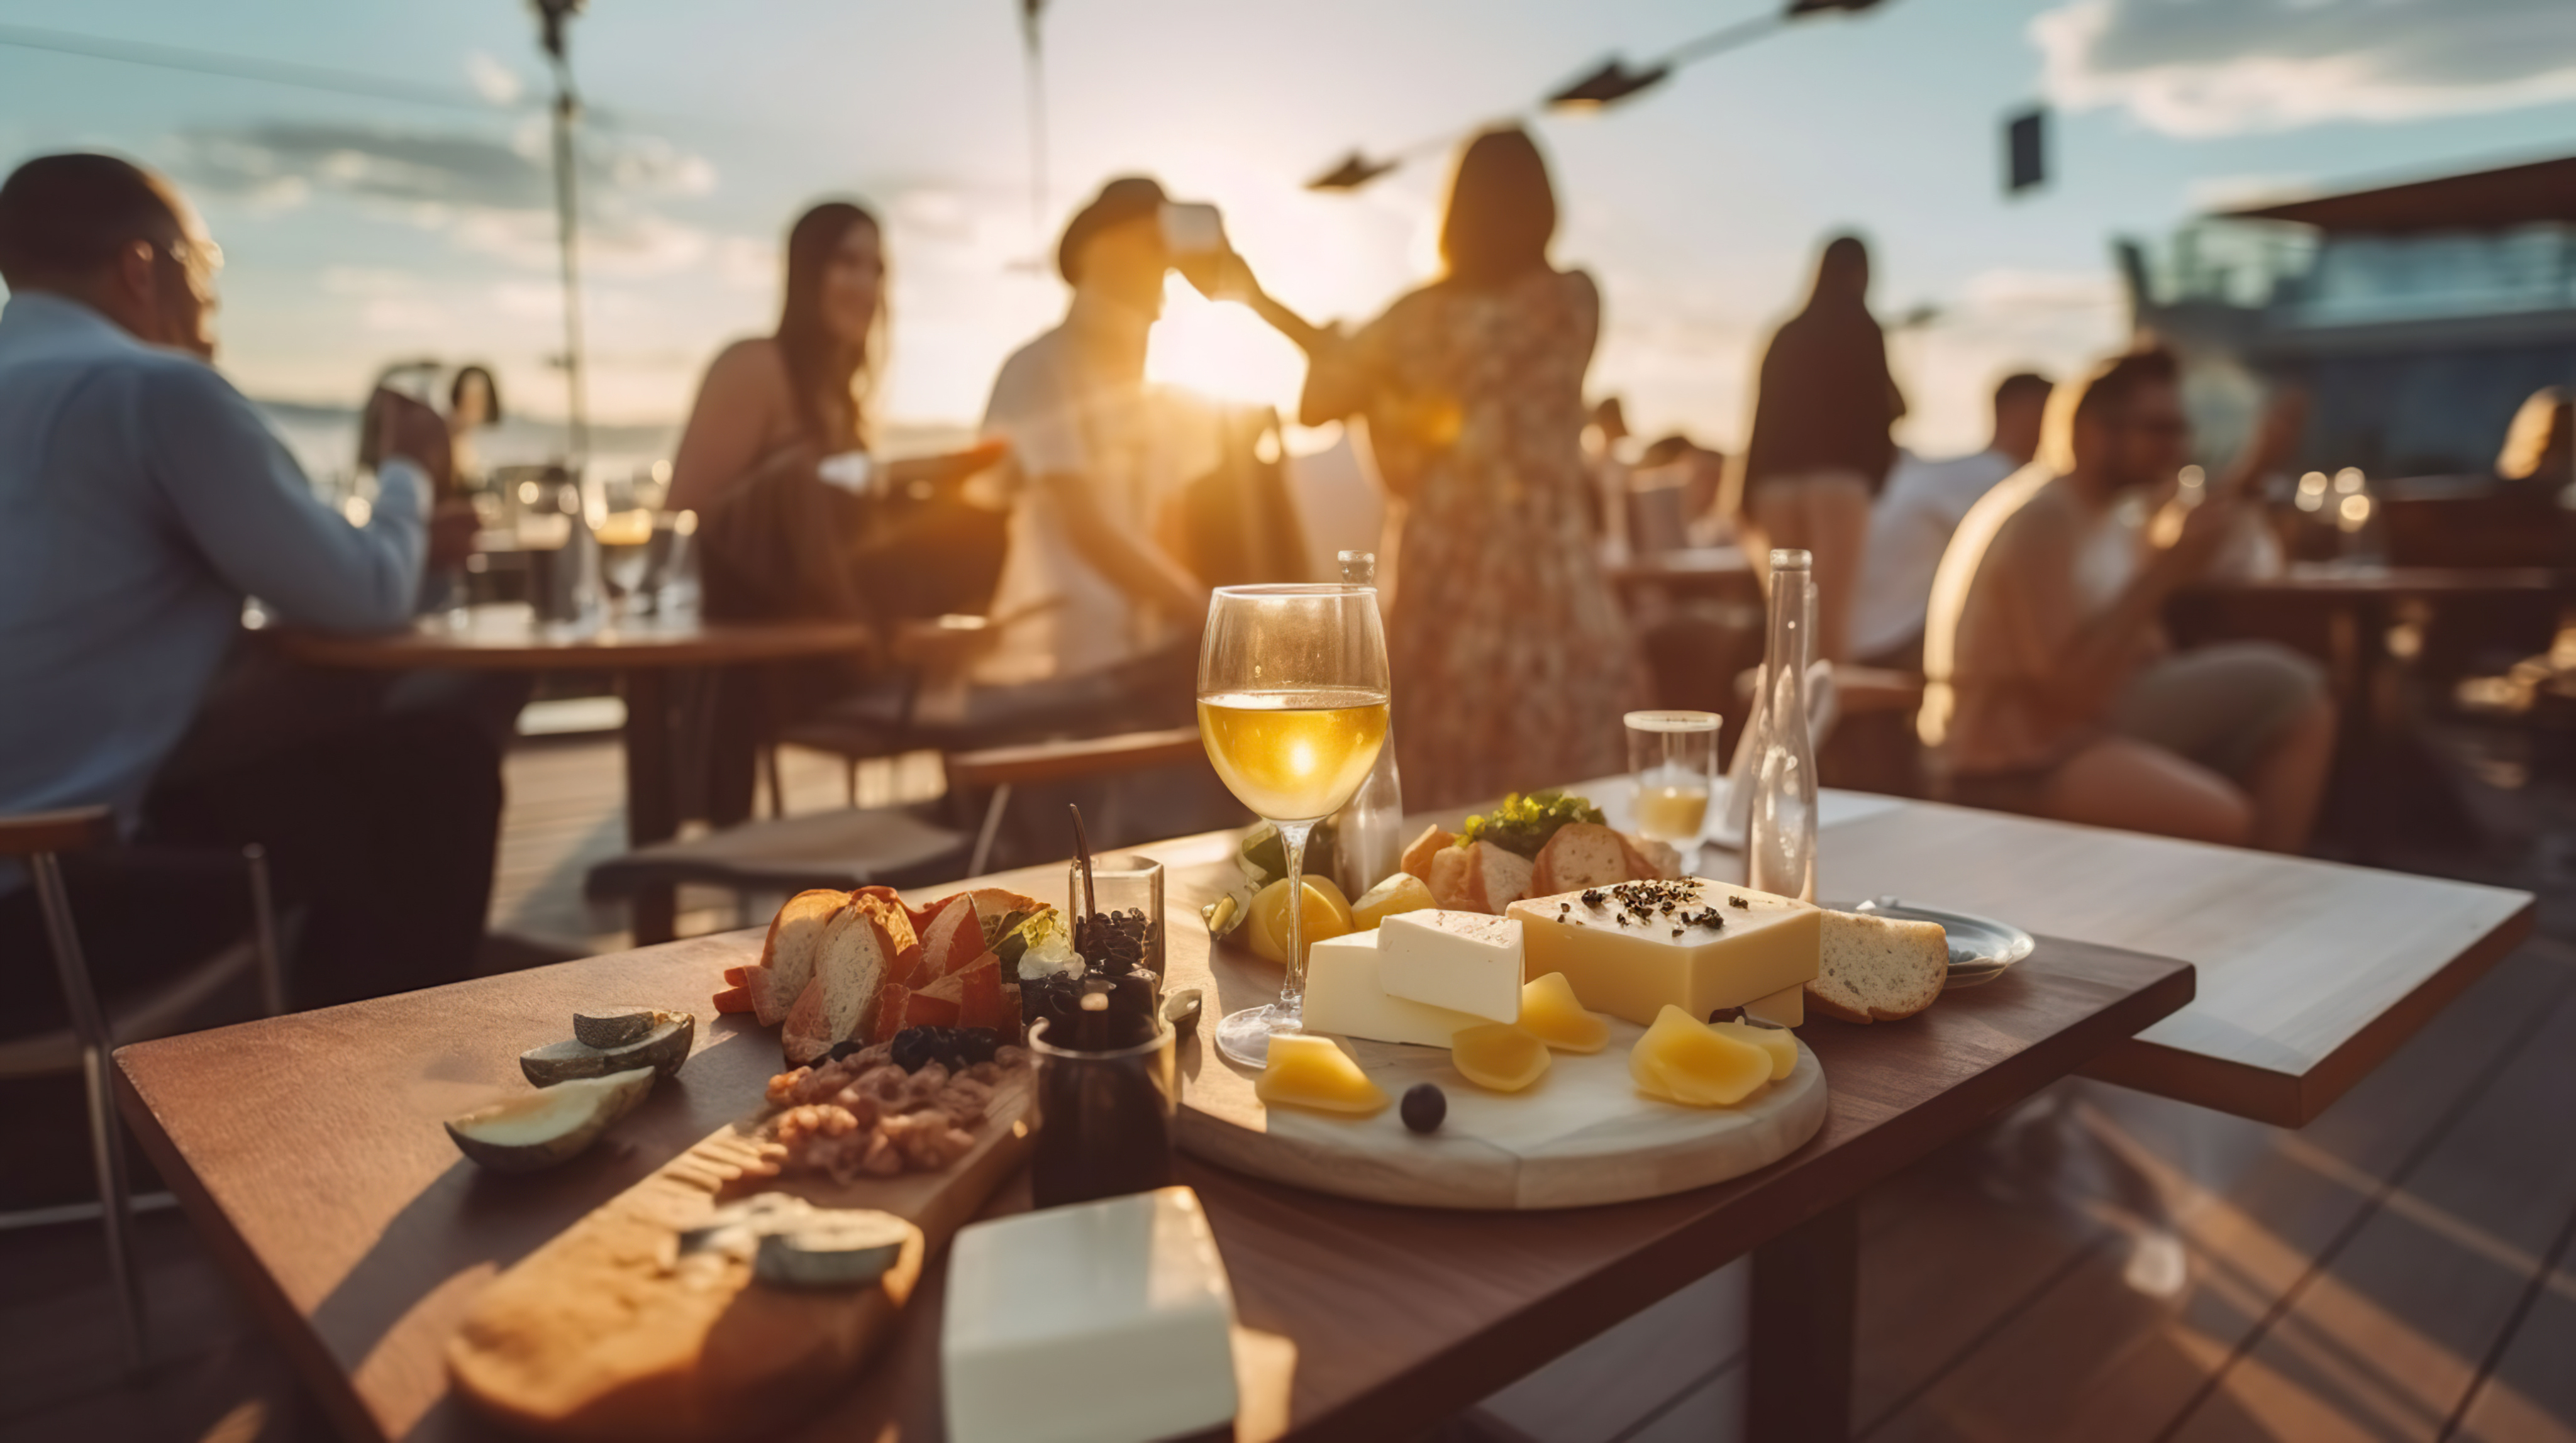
1512 659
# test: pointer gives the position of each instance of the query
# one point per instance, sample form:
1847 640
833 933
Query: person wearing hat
1086 595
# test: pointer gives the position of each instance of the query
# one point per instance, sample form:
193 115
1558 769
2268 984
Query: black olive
840 1050
1424 1106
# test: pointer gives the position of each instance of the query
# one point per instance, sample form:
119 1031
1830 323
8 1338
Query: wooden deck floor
2099 1265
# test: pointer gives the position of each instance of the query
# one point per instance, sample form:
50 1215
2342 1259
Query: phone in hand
1192 228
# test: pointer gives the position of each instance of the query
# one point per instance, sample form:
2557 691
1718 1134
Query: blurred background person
1515 658
2051 687
1094 610
145 499
473 404
776 539
1911 524
1820 447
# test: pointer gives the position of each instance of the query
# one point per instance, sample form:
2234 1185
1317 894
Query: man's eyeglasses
203 260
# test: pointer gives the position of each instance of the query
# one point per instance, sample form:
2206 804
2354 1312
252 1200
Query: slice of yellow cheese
1776 1041
1685 1060
1550 1013
1633 948
1403 892
1325 916
1310 1071
1498 1055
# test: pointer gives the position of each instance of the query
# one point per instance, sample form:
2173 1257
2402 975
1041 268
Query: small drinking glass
1674 756
1123 882
1104 1118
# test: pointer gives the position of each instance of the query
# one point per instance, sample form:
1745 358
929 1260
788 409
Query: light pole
555 15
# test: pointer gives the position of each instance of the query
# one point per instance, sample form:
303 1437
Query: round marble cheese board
1582 1135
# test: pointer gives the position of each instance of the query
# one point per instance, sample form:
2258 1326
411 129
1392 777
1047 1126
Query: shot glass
1123 885
1104 1118
1674 756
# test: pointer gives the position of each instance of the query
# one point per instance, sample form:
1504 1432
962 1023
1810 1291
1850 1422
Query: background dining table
642 652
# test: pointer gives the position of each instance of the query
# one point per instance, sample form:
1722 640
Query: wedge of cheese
1636 948
1343 995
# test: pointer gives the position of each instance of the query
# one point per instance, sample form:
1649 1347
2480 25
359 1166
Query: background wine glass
1292 709
1674 757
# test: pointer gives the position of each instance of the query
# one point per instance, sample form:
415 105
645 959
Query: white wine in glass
1292 709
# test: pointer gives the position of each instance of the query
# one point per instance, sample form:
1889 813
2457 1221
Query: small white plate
1981 948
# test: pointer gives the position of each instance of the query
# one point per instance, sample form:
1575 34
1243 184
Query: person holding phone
1515 659
1090 604
2051 688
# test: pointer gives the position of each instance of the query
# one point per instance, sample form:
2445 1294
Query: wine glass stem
1292 986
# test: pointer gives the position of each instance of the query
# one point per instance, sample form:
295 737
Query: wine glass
1292 708
1674 757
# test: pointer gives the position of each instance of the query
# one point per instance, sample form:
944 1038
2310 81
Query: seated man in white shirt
1912 523
1090 603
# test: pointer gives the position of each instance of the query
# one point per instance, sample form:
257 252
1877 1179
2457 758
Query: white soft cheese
1343 995
1463 961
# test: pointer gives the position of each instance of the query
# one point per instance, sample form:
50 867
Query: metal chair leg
106 1139
992 828
263 916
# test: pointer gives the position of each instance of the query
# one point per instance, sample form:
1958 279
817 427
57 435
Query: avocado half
662 1048
524 1134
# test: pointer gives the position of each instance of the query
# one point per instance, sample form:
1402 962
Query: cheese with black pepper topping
1632 949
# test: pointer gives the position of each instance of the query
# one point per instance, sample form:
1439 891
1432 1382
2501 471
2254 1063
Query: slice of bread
951 943
787 955
1878 969
1580 855
1426 849
1648 860
1445 873
867 946
1495 878
996 905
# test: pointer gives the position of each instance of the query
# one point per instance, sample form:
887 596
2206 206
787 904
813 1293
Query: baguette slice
867 946
1495 878
1580 855
1425 851
1878 969
1446 875
787 956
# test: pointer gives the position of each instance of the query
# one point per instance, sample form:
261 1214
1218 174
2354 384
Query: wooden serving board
595 1336
1580 1136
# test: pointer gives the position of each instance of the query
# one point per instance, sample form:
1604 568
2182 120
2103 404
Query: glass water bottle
1780 840
1368 834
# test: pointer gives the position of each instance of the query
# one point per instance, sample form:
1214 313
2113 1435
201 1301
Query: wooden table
642 652
307 1151
2343 612
1708 571
2311 973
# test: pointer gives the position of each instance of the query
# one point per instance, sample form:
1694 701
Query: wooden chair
40 839
888 846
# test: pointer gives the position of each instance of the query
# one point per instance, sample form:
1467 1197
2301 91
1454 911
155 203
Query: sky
414 216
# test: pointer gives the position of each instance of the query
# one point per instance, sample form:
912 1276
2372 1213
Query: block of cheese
1343 995
1462 961
1788 1006
1310 1071
1684 1060
1639 947
1400 892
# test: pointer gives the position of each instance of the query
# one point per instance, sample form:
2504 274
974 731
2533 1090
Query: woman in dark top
1820 448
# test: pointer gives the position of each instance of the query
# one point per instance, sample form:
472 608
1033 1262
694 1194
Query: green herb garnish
1523 824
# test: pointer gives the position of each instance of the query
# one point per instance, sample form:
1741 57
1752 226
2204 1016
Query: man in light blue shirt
142 498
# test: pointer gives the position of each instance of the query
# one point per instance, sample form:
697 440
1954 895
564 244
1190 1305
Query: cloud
2220 67
494 81
490 195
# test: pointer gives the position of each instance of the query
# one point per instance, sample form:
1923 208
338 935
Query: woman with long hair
801 392
1820 449
1512 657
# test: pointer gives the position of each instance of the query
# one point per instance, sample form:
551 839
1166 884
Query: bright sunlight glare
1221 350
1301 759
